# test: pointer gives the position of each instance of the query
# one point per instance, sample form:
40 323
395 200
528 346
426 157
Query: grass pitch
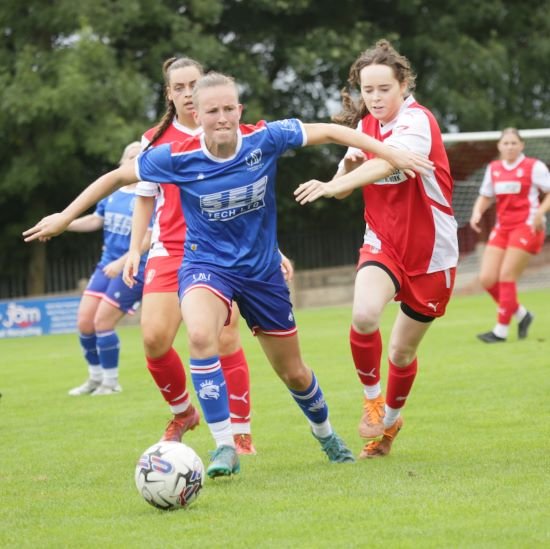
469 469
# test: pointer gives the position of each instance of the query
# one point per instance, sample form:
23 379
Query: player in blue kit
106 298
227 181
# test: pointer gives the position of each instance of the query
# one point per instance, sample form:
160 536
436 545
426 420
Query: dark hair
167 67
383 53
209 81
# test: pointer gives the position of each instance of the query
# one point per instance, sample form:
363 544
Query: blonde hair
511 130
210 80
130 151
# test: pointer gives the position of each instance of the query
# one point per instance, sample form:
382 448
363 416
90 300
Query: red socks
237 379
169 375
366 350
508 302
494 291
400 382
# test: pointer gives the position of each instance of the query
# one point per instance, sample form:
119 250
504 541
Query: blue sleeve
287 134
100 207
155 164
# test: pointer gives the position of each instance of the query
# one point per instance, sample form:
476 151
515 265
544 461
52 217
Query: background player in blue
227 180
106 298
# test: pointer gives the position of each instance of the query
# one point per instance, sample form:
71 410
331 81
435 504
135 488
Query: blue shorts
264 303
114 291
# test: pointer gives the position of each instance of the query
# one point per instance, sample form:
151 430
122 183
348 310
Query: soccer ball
169 475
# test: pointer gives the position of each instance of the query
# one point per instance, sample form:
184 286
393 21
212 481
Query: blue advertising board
40 316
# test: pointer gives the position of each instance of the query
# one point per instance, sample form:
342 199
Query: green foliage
80 80
469 468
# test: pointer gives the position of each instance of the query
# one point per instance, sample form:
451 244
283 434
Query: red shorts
522 237
161 274
426 294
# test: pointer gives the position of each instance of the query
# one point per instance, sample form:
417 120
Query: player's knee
296 376
487 280
365 321
156 342
202 341
401 355
85 324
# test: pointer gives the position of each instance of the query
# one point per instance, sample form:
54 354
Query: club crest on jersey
288 125
228 204
254 159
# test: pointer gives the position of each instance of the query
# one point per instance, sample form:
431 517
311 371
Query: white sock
501 330
241 428
372 391
95 373
110 376
222 433
180 408
391 415
322 430
520 313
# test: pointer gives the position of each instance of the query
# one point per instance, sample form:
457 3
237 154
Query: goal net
469 154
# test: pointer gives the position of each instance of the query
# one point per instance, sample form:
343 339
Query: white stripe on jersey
445 250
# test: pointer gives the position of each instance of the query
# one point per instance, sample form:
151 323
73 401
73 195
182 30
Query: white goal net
469 154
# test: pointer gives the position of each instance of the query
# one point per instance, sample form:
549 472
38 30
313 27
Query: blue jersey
116 211
229 204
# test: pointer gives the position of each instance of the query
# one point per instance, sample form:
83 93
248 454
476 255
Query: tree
78 82
74 92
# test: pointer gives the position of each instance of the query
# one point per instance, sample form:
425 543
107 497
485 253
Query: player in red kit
515 182
410 247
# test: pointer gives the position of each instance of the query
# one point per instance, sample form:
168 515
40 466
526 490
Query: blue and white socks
211 390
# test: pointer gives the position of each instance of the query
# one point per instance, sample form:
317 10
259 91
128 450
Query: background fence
468 154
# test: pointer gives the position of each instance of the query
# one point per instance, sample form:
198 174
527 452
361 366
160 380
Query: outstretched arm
86 224
408 161
340 187
55 224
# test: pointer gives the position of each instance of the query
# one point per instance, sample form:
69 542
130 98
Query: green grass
469 469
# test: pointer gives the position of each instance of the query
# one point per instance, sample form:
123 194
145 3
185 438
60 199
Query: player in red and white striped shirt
515 181
410 247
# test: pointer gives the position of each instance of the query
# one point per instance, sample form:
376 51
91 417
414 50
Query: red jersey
411 219
169 227
516 188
